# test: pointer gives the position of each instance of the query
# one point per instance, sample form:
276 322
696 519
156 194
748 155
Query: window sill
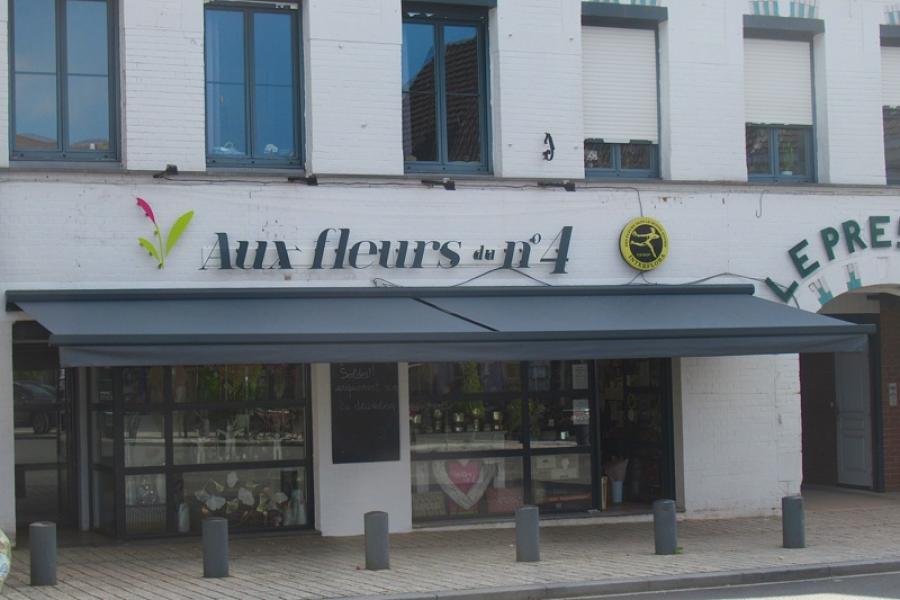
81 166
226 171
435 170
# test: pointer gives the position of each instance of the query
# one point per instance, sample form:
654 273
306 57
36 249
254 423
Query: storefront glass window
190 436
217 436
145 444
466 487
488 437
145 504
42 425
562 482
249 499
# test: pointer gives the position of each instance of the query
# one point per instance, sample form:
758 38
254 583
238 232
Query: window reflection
892 143
442 92
758 155
83 79
792 152
259 123
259 434
225 83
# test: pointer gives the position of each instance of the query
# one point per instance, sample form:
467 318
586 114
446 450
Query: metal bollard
793 522
528 534
215 547
665 529
42 544
378 543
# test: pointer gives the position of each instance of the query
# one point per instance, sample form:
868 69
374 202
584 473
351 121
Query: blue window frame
444 88
779 153
892 144
253 110
634 160
62 84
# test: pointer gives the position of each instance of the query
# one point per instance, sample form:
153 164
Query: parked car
34 405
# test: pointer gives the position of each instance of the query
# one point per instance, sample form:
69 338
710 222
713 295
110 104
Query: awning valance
234 326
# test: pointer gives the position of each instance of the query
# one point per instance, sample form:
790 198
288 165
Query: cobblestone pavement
841 526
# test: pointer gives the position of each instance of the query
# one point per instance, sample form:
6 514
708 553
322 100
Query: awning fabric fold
281 325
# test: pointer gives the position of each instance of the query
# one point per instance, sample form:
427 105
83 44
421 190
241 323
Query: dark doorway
45 468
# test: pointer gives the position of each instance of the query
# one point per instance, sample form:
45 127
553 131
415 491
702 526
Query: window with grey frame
630 160
253 111
779 153
891 115
63 83
444 88
620 98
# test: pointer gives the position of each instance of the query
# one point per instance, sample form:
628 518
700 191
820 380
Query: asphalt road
859 586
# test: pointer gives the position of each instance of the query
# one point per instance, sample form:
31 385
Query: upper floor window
621 124
63 84
252 84
778 109
444 89
890 100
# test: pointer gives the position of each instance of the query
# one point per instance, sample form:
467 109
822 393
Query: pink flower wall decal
147 210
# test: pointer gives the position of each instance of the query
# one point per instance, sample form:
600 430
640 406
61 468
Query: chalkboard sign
365 412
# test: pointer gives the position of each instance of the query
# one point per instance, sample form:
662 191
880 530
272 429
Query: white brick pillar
535 72
7 432
162 84
847 71
789 442
4 84
702 91
352 60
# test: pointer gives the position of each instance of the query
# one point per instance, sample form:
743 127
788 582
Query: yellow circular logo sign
644 243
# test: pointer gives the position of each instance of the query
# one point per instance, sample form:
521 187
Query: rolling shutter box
777 82
619 81
890 76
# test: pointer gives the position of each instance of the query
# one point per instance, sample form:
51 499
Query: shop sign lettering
847 238
335 249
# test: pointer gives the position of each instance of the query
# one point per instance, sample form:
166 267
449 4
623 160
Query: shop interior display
488 437
225 441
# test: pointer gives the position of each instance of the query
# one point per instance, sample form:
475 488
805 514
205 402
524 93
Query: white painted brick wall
163 84
847 57
701 95
741 420
4 84
7 432
353 79
536 88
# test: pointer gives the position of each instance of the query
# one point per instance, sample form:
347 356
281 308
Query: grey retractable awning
167 327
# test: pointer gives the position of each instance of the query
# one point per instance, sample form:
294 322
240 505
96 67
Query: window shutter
890 76
777 82
619 82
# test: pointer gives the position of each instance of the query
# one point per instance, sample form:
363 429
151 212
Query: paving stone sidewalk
841 526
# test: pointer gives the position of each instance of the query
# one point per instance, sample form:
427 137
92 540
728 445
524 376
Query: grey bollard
42 543
528 534
793 522
378 543
665 528
215 547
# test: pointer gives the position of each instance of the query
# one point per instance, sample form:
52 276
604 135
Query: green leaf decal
151 249
177 229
